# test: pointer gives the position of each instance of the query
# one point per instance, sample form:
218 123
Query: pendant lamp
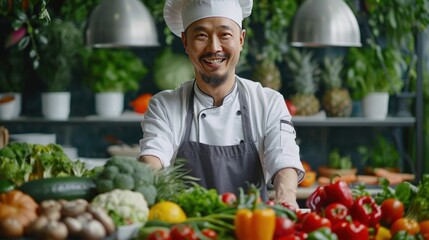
121 23
325 23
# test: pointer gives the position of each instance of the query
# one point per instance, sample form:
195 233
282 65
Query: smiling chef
231 130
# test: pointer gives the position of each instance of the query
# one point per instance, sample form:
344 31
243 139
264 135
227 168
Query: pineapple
305 81
268 74
336 100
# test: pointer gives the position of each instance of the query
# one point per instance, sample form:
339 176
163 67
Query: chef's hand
285 185
153 161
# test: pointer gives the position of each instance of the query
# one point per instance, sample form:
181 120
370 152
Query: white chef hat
179 14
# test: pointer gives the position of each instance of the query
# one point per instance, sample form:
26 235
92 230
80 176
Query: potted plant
337 165
11 82
58 56
381 154
372 75
110 73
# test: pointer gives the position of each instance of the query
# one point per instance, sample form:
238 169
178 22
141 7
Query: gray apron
225 168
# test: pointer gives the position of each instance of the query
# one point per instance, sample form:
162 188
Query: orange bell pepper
258 224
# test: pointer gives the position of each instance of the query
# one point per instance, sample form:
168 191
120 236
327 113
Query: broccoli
126 173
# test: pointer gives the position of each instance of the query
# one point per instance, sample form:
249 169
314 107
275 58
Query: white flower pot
8 109
56 105
375 105
109 104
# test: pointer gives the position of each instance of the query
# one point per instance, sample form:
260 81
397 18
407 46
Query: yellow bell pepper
258 224
383 234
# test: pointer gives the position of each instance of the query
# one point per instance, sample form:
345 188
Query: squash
18 205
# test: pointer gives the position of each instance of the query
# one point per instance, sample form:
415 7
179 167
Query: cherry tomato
209 233
159 235
284 227
424 229
405 224
183 232
391 210
270 203
291 107
229 198
312 221
336 212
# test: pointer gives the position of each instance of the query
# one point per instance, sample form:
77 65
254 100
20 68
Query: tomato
336 212
284 227
229 198
424 229
405 224
312 221
391 210
209 233
270 203
159 235
291 107
141 103
183 232
309 179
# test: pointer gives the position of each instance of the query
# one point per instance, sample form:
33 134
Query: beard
215 80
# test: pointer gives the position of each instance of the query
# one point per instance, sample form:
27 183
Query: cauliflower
125 207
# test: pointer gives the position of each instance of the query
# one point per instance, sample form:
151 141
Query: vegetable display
76 207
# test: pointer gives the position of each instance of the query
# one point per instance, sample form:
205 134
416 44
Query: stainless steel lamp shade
121 23
322 23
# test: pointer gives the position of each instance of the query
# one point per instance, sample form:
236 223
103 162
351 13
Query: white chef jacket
164 127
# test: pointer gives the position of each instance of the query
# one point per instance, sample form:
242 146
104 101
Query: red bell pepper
339 192
336 212
314 221
317 199
284 227
366 211
350 230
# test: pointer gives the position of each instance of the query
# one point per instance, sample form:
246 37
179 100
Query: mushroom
74 227
54 230
93 230
74 208
100 214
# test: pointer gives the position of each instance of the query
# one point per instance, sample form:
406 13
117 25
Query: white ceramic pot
109 104
56 105
10 109
375 105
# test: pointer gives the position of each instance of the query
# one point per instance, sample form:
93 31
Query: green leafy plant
26 18
335 160
382 154
59 54
112 70
365 72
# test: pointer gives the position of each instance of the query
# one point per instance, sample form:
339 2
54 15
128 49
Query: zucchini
67 188
6 186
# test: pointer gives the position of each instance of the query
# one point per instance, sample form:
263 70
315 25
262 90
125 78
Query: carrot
349 178
392 177
367 179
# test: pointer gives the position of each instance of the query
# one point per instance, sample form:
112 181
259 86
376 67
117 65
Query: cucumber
67 188
6 186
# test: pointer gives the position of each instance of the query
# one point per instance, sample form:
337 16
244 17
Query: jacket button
241 141
238 112
203 115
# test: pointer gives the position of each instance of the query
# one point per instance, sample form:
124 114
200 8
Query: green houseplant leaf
58 54
112 70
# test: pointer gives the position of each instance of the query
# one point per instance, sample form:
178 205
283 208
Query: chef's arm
153 161
285 185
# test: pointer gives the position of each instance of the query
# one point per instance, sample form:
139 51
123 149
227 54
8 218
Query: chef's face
213 45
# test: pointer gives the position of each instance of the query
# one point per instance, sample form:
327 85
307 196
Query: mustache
214 55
